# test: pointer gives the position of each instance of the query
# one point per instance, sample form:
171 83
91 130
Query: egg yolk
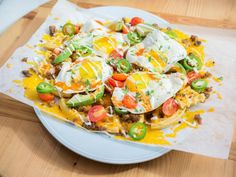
156 60
90 69
138 81
105 44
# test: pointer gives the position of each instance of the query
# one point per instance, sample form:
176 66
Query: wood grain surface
27 149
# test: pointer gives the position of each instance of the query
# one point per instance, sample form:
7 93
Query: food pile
125 77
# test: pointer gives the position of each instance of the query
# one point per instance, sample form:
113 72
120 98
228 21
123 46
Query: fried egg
149 90
85 75
156 53
100 39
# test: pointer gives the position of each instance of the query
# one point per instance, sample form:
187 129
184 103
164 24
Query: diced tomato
108 87
115 83
192 76
129 102
125 29
47 97
120 76
57 51
97 113
116 55
170 107
136 20
140 52
77 28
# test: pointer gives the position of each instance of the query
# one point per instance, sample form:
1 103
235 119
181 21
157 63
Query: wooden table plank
220 13
28 144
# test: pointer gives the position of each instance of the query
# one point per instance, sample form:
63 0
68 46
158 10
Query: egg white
71 71
158 90
159 42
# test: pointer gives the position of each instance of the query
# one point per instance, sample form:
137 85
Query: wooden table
27 149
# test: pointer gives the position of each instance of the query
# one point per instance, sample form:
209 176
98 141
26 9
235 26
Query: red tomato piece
125 29
77 28
170 107
108 87
97 113
115 83
136 20
192 76
47 97
140 52
116 55
129 102
120 76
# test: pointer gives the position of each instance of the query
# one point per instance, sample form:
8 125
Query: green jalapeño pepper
199 85
138 131
123 66
192 62
44 87
84 51
68 29
134 37
120 111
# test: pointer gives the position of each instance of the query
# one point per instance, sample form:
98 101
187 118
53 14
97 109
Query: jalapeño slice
138 131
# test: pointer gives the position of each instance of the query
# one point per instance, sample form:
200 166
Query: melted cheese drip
210 63
212 109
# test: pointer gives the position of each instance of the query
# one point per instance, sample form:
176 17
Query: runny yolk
138 81
105 44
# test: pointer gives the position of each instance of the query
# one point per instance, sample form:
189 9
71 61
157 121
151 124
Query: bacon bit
49 75
140 52
198 119
26 73
25 59
98 21
56 51
208 89
52 30
205 75
197 43
193 38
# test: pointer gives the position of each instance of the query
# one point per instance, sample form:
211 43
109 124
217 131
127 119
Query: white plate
96 146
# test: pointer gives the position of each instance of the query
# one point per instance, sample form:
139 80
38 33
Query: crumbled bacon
52 30
25 59
26 73
130 118
198 119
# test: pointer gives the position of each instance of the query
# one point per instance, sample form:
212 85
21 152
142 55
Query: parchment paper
213 137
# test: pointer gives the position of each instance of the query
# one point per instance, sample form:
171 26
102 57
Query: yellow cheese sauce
152 137
159 137
210 63
211 109
29 84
